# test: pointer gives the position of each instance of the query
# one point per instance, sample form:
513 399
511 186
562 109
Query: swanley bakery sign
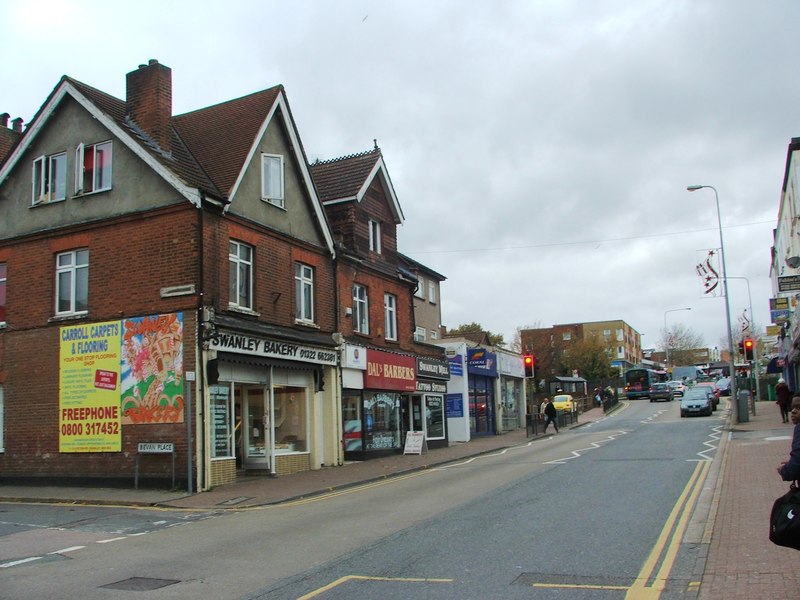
245 344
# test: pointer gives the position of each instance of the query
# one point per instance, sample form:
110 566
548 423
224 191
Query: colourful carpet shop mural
152 369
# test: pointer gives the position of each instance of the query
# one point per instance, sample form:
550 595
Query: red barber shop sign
387 371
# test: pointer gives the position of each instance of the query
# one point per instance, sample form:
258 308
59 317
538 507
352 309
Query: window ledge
275 202
79 195
306 324
243 310
70 317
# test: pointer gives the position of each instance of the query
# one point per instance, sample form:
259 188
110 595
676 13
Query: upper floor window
390 316
272 179
566 336
240 261
49 178
419 334
620 336
72 282
434 335
360 309
432 292
420 291
2 293
92 168
375 236
304 293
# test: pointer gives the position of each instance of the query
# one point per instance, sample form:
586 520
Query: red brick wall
130 260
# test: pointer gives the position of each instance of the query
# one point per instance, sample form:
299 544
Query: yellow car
564 402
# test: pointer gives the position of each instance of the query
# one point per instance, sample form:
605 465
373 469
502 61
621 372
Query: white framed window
390 316
375 236
240 262
3 283
272 179
93 167
433 334
304 293
432 292
420 291
360 309
49 178
566 336
72 282
620 336
419 334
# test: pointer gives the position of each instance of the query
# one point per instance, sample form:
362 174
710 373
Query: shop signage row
255 346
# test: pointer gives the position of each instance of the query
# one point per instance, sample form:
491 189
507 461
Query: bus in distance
639 380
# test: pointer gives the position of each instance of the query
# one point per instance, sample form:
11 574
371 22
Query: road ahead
601 511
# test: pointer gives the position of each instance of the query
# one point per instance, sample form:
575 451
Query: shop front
512 391
268 406
383 399
482 377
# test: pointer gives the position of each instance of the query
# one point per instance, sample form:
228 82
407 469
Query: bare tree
681 344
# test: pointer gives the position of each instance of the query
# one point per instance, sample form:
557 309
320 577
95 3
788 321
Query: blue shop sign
456 366
455 405
481 362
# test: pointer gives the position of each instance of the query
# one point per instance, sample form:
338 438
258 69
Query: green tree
589 357
495 339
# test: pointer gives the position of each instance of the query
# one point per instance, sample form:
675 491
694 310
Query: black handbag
784 521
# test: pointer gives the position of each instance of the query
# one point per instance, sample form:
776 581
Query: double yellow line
646 586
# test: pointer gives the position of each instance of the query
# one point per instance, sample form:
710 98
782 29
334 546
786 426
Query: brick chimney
4 120
149 101
16 124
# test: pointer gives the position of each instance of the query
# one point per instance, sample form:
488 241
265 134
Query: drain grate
237 500
140 584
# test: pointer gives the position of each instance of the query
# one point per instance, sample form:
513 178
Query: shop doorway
251 406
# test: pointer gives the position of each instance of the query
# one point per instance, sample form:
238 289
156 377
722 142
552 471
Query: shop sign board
433 368
255 346
433 387
456 366
414 442
790 283
455 405
388 371
481 362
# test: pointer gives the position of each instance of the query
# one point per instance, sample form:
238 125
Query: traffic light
748 348
528 361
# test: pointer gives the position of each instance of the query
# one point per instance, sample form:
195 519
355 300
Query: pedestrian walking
790 470
784 395
550 414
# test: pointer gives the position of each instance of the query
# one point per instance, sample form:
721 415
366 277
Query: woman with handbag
784 524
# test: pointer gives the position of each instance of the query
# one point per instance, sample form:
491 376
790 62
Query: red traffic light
748 344
528 360
748 348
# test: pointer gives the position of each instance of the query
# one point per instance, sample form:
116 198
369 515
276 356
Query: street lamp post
666 334
694 188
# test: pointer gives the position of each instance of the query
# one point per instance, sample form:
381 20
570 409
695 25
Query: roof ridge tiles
328 161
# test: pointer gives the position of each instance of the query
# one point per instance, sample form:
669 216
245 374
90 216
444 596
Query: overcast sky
540 150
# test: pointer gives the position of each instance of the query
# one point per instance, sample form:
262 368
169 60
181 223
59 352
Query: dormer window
92 168
49 178
272 179
375 236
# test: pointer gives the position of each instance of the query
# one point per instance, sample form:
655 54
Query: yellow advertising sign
89 417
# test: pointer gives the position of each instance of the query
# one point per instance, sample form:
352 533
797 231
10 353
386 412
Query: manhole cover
140 584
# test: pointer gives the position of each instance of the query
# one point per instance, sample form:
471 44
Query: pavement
740 561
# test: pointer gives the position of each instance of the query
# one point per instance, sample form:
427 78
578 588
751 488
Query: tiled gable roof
342 178
221 136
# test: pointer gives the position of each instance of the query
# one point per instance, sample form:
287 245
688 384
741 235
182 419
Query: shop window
72 282
360 309
222 421
92 168
291 419
49 178
390 316
434 417
382 420
240 261
304 293
272 179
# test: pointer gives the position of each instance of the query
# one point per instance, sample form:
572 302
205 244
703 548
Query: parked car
724 386
564 402
696 401
661 391
712 389
677 387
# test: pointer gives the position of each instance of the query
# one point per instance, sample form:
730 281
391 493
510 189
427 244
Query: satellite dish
793 262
